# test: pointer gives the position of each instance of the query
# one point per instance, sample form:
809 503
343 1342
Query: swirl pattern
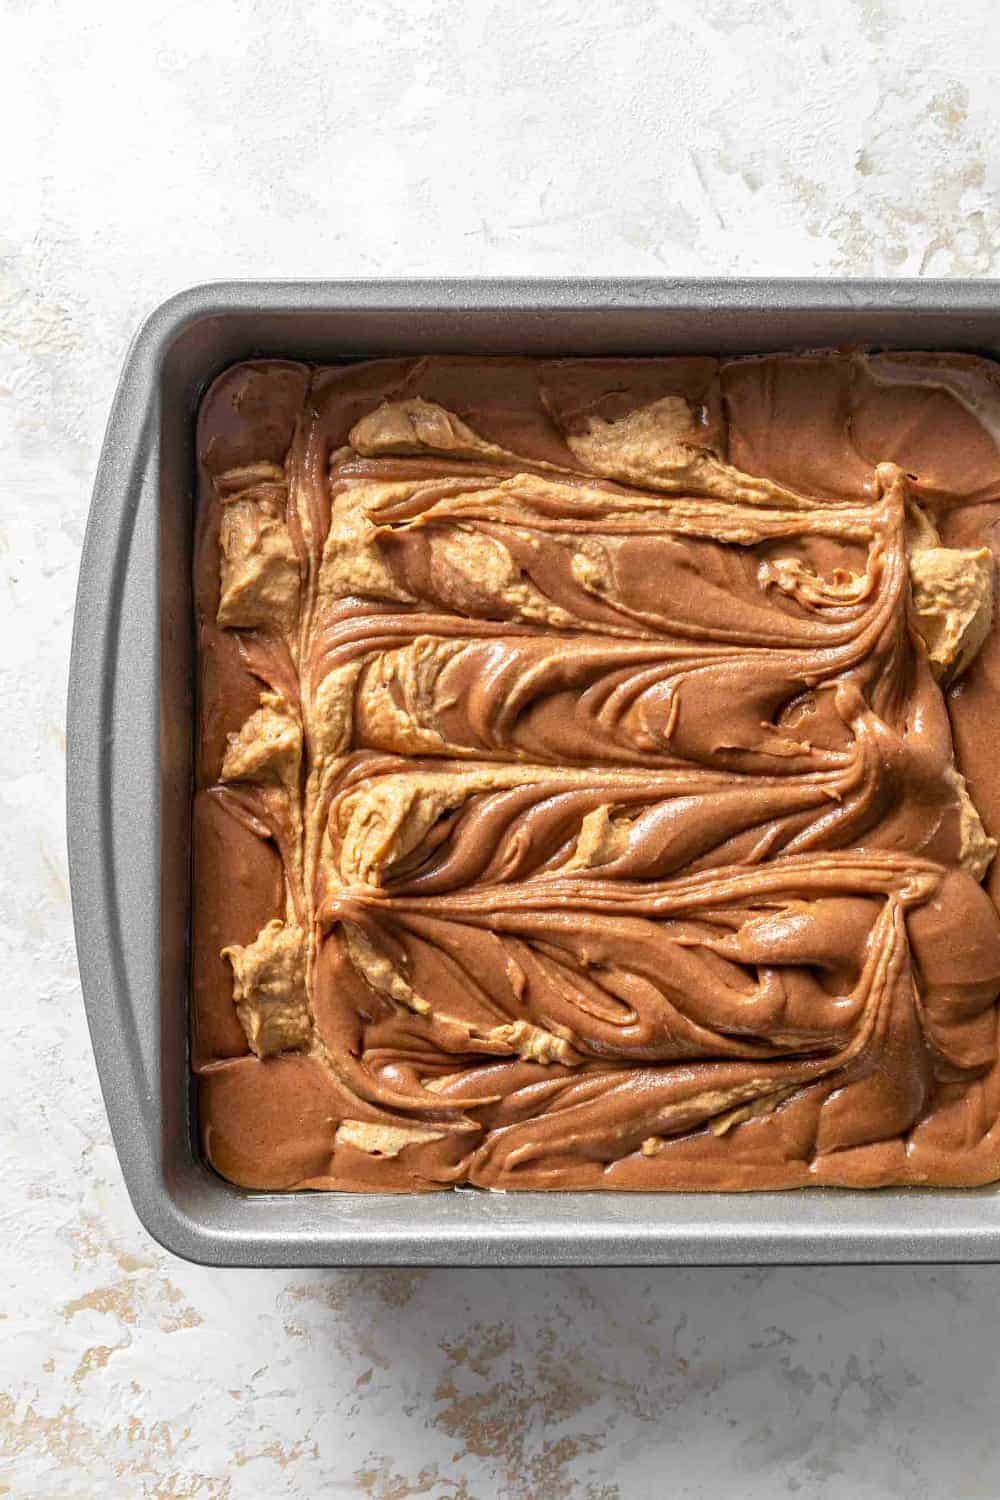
593 773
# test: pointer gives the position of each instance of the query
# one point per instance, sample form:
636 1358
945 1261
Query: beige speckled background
163 144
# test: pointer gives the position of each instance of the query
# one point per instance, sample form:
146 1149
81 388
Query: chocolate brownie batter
596 773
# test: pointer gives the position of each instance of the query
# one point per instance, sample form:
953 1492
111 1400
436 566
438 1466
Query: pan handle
113 821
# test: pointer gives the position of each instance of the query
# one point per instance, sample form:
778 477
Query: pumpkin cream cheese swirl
594 772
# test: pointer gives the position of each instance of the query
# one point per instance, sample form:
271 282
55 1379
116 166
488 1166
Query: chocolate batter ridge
595 784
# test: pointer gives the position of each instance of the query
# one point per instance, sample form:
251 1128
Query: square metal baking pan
129 775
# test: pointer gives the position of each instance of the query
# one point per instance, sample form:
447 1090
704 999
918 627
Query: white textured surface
171 143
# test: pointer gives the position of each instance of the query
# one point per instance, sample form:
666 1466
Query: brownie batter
596 773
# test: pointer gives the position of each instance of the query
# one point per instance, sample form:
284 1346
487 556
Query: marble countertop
169 144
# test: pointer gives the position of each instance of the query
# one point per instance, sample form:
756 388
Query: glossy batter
596 773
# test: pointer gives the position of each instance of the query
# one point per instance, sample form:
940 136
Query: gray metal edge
130 1092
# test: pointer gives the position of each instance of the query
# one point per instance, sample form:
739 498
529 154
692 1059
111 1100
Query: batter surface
597 778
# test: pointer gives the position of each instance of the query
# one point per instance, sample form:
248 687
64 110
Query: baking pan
129 774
